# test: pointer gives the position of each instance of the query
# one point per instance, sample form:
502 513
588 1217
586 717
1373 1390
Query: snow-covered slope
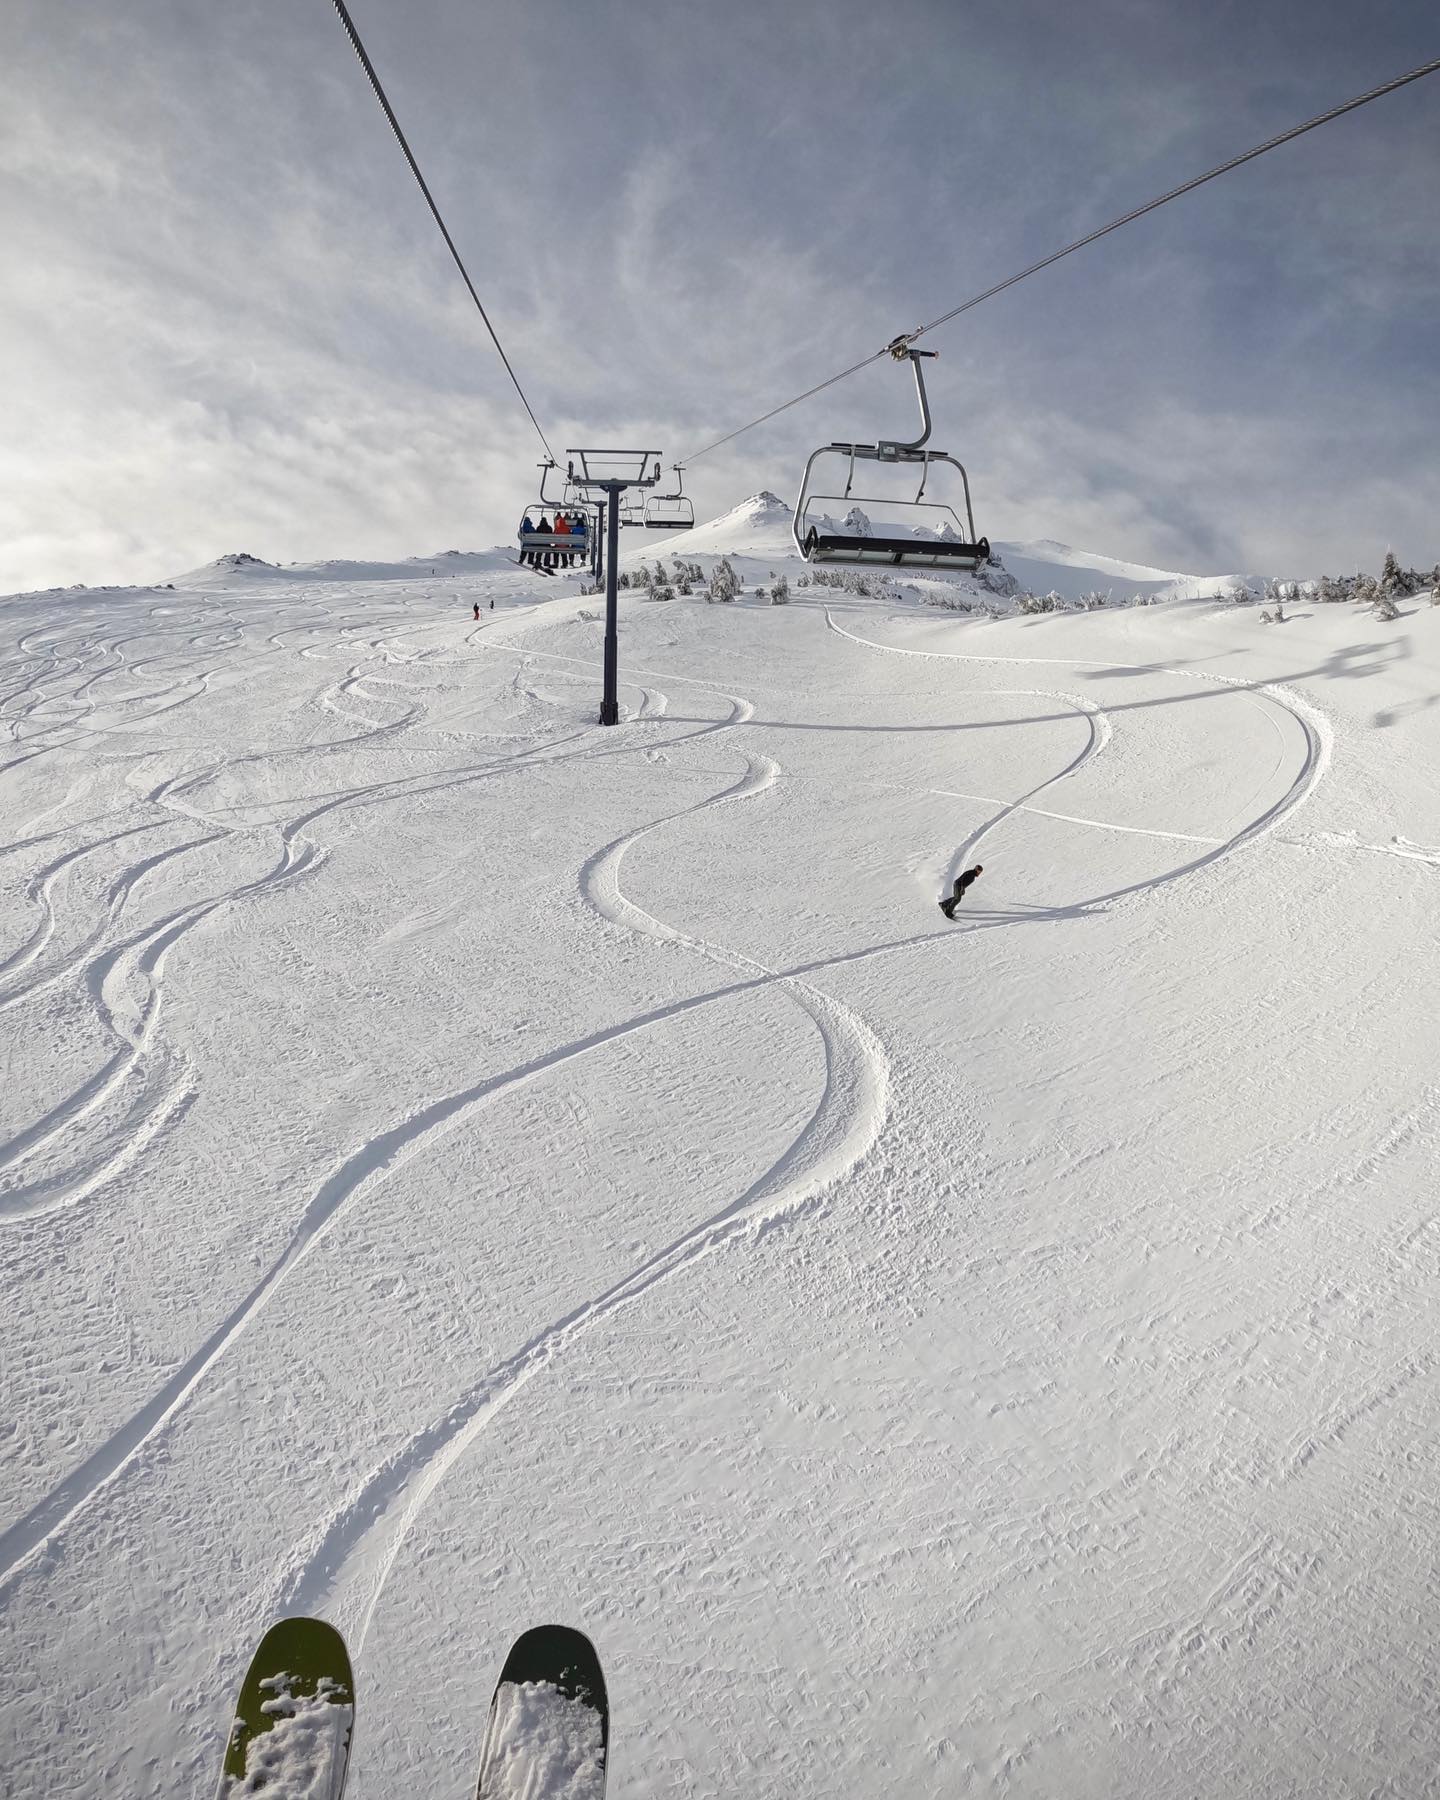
462 1168
1043 566
758 527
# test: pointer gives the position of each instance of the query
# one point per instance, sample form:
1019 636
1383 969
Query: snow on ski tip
290 1739
548 1733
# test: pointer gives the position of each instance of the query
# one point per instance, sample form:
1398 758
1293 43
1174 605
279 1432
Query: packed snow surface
542 1745
462 1167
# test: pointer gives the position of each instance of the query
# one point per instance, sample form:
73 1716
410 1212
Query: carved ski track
60 1192
1044 812
39 894
356 1172
1099 735
1314 728
140 960
857 1074
102 731
1403 847
116 897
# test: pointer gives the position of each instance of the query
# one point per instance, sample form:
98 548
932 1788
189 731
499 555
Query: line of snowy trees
1381 592
850 581
1052 602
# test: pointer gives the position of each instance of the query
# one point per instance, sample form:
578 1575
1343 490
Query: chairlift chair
535 544
949 542
546 543
670 512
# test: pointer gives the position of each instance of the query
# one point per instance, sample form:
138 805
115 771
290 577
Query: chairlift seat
899 552
554 540
671 524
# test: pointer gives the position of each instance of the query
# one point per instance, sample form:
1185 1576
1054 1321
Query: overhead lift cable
369 68
898 346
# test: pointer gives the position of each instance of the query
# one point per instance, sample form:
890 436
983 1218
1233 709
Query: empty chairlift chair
941 540
670 512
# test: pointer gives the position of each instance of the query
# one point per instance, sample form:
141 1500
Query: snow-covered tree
780 592
1393 582
724 582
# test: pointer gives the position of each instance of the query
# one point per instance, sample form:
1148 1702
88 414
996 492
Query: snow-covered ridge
240 567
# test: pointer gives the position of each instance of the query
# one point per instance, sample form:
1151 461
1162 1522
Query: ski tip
561 1657
309 1644
294 1717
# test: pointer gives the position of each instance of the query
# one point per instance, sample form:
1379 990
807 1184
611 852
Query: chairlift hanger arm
635 470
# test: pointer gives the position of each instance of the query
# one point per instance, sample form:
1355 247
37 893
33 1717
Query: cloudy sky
227 321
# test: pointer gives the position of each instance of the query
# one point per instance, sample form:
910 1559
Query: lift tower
612 473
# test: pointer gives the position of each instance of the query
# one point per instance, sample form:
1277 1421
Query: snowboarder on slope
962 881
477 609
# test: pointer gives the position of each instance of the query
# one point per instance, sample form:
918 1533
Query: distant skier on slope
477 609
962 881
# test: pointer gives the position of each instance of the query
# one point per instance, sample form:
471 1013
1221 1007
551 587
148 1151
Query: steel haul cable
369 68
1138 212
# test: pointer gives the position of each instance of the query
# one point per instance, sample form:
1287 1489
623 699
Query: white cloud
227 321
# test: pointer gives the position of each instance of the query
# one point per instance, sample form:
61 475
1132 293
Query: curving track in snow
845 1123
128 968
1314 729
